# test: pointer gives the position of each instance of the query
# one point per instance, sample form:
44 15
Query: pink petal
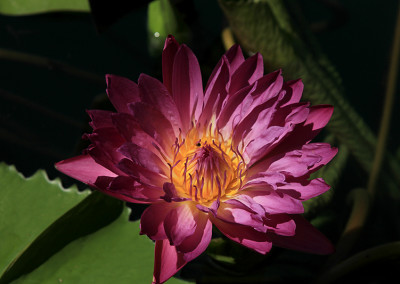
180 223
264 90
126 189
167 261
238 213
247 73
281 224
326 152
187 88
152 220
307 239
244 235
273 202
261 143
230 104
170 48
303 133
291 114
306 189
105 142
121 92
155 93
302 162
282 122
144 158
215 91
256 123
197 243
83 168
100 118
141 174
154 123
130 188
171 194
235 57
294 90
319 116
131 131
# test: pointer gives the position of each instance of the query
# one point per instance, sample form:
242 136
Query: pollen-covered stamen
206 168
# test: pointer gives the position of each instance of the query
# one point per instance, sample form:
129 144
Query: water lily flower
236 155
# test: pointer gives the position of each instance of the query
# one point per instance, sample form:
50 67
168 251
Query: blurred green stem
361 205
227 38
387 110
6 54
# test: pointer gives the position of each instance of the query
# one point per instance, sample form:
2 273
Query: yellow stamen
206 167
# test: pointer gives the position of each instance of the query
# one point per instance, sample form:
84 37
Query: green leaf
114 254
27 207
94 212
29 7
265 26
162 20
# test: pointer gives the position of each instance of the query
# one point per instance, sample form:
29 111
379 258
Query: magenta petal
247 73
167 261
302 162
127 192
100 118
235 57
197 243
144 158
307 239
230 105
187 86
154 123
281 224
319 116
273 202
244 235
170 48
132 191
155 93
141 174
294 90
245 107
105 142
152 220
238 213
305 190
266 180
83 168
324 150
215 91
130 130
180 223
121 92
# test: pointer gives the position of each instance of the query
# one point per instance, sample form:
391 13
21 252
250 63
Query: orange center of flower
206 168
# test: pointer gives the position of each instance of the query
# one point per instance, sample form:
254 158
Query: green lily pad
114 254
27 207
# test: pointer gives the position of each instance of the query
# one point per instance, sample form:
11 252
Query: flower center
206 168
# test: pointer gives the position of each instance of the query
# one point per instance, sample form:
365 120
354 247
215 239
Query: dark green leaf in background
29 7
163 19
